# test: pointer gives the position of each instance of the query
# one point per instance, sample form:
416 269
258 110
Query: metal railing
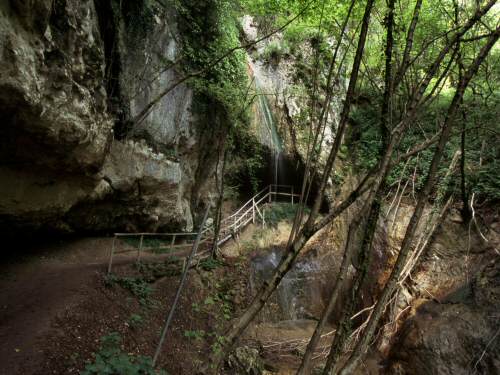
182 241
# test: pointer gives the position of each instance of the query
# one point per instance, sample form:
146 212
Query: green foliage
483 178
364 138
280 212
226 305
327 12
110 359
209 301
195 335
208 31
248 162
274 51
135 320
486 181
153 271
218 343
136 285
209 264
364 142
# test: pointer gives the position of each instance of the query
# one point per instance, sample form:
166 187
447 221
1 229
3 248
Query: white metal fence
250 212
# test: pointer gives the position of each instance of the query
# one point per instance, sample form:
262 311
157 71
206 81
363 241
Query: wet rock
245 360
446 340
458 336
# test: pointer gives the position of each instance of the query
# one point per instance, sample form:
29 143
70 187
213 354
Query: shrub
136 285
280 212
274 51
110 359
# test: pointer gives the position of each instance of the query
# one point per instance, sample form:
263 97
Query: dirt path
34 291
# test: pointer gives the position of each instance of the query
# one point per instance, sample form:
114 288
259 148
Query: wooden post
111 255
140 248
270 193
292 194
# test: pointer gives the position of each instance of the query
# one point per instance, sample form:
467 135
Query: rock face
245 360
71 74
51 86
458 335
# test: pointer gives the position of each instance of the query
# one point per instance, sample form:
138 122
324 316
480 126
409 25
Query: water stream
268 130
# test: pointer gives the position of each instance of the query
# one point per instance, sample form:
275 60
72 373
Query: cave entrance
280 168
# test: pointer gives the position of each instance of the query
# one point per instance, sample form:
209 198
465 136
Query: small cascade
298 291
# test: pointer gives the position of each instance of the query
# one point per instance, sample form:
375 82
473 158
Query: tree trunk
305 367
409 44
344 326
344 115
270 285
220 201
307 231
466 212
374 205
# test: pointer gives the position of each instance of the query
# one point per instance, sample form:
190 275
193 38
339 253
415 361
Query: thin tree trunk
307 231
192 254
374 205
344 115
388 84
305 367
344 326
466 214
409 44
308 175
406 245
220 201
285 265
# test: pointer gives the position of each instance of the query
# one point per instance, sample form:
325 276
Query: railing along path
229 227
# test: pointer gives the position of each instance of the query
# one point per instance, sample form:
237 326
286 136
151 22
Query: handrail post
270 193
292 194
253 210
172 243
111 255
140 248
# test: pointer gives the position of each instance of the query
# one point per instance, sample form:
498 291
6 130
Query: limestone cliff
72 73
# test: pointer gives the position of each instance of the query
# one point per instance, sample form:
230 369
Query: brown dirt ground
55 306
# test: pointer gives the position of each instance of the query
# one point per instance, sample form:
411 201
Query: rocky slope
71 75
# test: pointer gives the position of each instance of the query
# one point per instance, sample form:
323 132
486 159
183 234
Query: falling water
268 130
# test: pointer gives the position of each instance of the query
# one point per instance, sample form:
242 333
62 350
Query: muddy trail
38 288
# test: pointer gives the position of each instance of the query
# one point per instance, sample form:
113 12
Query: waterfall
268 130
